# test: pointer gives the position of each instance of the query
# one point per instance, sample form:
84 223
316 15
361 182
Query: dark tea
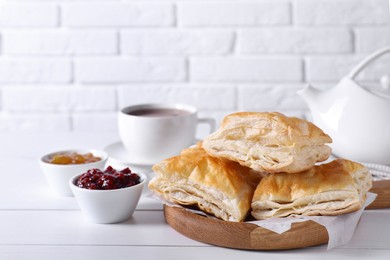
159 112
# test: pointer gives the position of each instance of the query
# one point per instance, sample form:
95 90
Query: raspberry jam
109 179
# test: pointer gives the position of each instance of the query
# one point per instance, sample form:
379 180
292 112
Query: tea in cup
153 132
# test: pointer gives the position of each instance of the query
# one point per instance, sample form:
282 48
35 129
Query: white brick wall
257 97
124 69
295 40
69 65
58 98
60 42
246 69
117 14
372 38
204 96
177 42
29 15
37 70
234 13
341 12
332 68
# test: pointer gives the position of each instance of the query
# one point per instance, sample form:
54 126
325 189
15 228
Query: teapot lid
385 90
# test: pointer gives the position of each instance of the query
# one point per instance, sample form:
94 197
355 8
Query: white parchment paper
340 228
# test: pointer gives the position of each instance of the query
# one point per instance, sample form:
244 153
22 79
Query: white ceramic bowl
58 175
108 206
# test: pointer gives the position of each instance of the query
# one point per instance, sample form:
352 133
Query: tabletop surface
35 223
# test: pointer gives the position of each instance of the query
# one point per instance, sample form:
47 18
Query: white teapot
358 120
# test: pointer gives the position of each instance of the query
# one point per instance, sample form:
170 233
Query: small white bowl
108 206
58 175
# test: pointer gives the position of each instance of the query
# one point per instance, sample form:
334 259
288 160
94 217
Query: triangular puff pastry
331 189
219 187
269 142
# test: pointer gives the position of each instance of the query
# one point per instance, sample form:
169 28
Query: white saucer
121 158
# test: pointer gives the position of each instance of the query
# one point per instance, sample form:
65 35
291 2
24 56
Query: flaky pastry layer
219 187
329 189
269 142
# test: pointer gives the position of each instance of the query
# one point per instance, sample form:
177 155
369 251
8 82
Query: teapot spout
310 94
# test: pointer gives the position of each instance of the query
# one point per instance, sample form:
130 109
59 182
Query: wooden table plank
147 228
44 252
68 227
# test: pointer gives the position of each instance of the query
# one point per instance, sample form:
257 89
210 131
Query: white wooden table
37 224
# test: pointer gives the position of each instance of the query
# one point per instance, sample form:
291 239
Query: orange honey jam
73 158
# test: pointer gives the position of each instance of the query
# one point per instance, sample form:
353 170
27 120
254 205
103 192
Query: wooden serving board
382 201
252 237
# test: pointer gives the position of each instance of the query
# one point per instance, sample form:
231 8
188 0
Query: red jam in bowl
109 179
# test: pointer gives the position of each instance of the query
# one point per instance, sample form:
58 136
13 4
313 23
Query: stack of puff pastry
264 164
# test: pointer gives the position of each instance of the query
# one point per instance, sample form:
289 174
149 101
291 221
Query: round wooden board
243 235
250 236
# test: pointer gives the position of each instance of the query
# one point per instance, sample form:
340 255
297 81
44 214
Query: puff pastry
330 189
219 187
269 142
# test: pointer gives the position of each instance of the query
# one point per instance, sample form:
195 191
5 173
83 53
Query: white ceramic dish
117 152
108 206
58 175
120 158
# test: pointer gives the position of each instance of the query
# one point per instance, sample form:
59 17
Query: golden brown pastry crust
219 187
269 142
334 188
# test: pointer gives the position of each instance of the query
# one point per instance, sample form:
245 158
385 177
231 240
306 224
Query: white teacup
153 132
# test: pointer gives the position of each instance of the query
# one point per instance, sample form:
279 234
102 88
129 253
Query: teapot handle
355 71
